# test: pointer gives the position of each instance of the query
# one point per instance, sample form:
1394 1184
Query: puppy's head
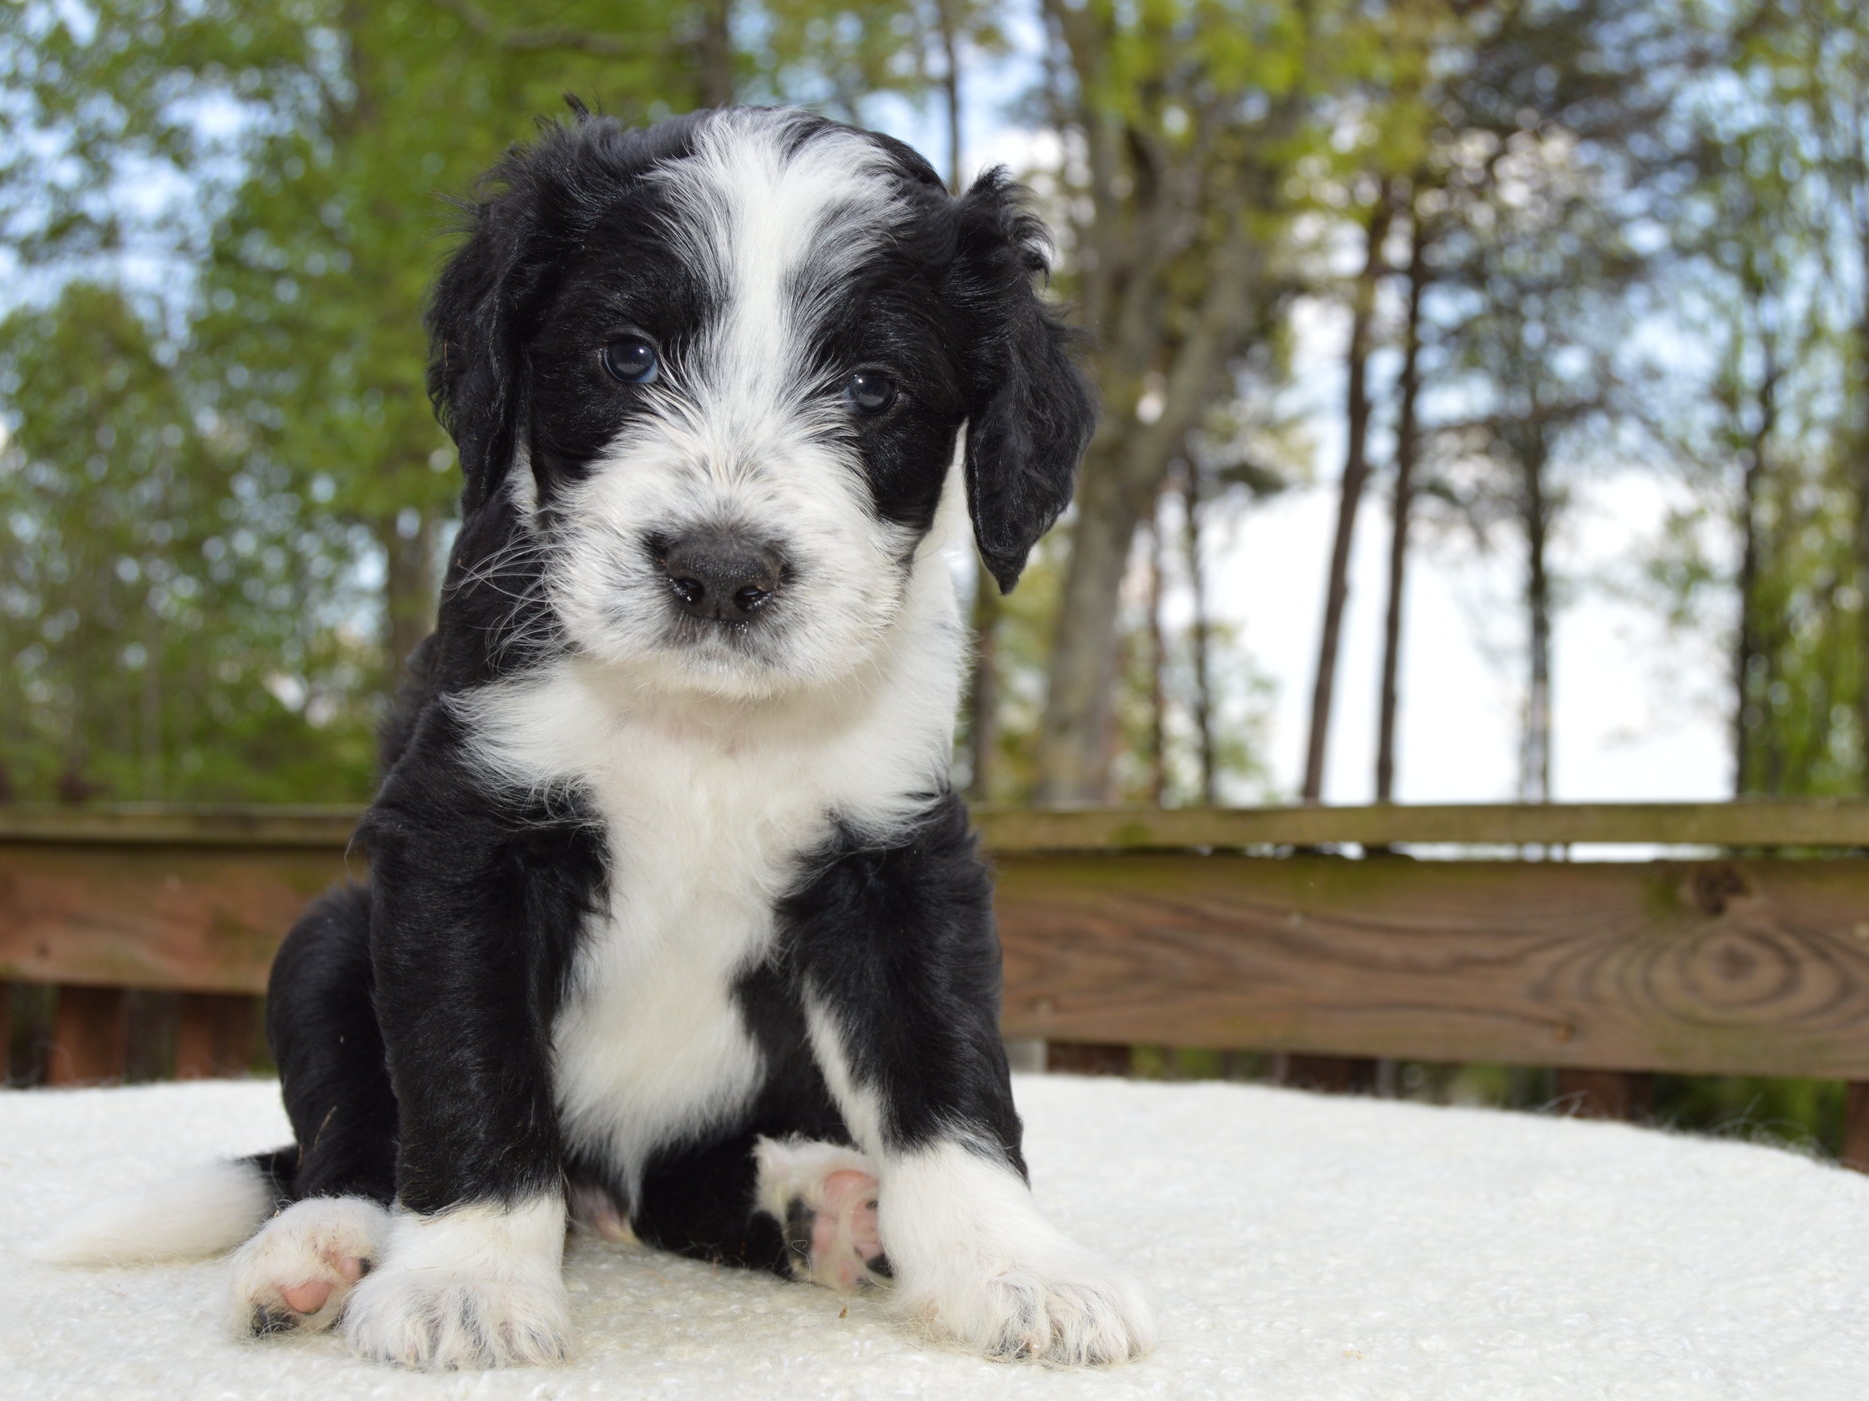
714 371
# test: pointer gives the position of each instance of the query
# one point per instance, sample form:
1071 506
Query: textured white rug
1301 1247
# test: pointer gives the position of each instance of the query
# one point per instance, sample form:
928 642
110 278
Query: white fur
709 804
975 1262
740 433
478 1286
202 1212
306 1243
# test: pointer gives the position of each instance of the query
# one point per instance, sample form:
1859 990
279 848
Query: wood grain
187 918
1750 967
1751 822
1747 967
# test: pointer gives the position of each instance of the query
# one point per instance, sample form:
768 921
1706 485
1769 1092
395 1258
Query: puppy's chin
722 667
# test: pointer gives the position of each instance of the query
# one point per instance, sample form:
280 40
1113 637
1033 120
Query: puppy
673 916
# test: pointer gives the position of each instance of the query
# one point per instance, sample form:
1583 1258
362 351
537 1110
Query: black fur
412 1019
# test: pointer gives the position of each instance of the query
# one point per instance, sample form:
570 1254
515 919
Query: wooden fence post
1856 1125
1331 1074
1605 1094
215 1034
1087 1057
90 1036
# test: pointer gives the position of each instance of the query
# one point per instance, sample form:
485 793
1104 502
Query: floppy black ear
476 374
1030 411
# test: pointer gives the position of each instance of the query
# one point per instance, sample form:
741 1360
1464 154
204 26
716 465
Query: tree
151 605
1184 122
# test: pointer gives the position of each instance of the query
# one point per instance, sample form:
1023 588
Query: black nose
722 575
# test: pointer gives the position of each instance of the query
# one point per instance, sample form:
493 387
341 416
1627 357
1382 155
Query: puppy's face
744 400
735 363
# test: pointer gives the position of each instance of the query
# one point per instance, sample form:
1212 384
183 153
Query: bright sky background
1638 713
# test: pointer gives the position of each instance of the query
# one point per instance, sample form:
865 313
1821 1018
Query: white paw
976 1263
1073 1312
479 1286
824 1196
294 1275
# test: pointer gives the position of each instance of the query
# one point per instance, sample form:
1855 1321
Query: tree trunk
716 55
1073 742
1407 449
1350 495
983 689
1535 763
1158 666
409 588
950 84
1746 644
1202 699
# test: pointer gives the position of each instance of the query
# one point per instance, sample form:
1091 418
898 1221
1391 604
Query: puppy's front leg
900 967
466 986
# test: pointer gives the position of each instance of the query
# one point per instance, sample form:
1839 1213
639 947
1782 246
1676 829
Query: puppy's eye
870 392
631 359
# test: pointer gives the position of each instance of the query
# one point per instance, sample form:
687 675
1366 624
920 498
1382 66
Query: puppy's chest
651 1043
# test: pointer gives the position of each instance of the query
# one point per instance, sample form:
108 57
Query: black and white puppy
672 910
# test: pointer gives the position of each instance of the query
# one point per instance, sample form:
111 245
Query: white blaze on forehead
774 225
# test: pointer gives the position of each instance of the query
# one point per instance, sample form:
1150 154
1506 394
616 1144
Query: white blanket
1300 1247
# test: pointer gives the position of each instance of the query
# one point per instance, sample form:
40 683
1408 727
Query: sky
1636 711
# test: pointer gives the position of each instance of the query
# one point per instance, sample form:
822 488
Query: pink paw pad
846 1246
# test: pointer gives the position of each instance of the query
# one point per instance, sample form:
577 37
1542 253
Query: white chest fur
708 807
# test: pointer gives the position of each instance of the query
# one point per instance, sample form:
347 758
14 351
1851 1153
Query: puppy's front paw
410 1318
473 1287
975 1262
294 1275
1074 1312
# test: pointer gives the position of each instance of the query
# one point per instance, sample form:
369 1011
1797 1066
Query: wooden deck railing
1223 929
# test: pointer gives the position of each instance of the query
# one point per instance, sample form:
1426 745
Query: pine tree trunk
950 84
983 688
408 590
716 56
1535 766
1202 699
1073 743
1407 449
1350 496
1746 644
1158 667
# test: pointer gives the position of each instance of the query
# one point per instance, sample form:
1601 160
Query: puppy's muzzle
720 575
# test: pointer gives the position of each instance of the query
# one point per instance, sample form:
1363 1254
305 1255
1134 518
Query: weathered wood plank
1753 822
191 919
1764 822
167 825
1743 967
1748 967
90 1036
